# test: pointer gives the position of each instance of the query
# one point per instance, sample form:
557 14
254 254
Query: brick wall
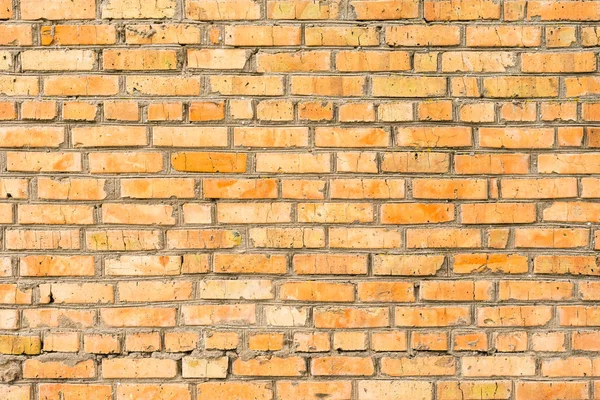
298 199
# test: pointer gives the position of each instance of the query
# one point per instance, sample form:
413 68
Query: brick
365 238
558 238
79 111
29 239
417 213
38 110
293 164
514 316
474 61
116 239
341 36
243 213
415 162
307 61
162 34
181 341
235 390
465 263
165 112
495 164
434 137
162 85
270 137
543 188
498 366
351 137
457 291
58 60
548 341
352 61
138 60
80 85
56 266
209 162
385 10
551 390
137 214
503 36
334 213
14 294
475 389
391 389
337 86
48 369
520 87
561 10
417 265
301 390
58 10
432 316
422 35
568 163
349 341
275 366
216 58
558 62
243 289
418 366
475 189
275 110
31 136
266 342
350 318
54 391
312 342
375 292
16 345
195 263
316 291
498 213
17 34
246 85
219 314
535 290
461 10
121 111
207 111
259 35
342 366
43 162
204 367
468 341
421 86
127 9
159 391
142 368
67 342
560 36
147 291
222 10
516 138
577 316
105 136
565 264
78 35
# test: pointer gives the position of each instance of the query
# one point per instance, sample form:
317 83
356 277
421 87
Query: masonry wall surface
298 199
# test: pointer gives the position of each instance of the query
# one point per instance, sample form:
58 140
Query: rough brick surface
299 199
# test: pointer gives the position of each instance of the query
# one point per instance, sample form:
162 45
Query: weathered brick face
299 199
